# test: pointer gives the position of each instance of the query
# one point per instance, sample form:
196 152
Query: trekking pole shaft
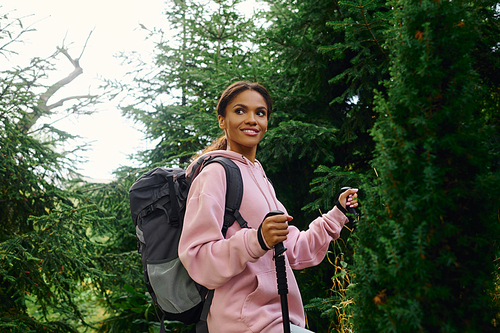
286 321
282 290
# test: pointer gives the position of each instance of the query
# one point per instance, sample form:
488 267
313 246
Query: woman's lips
250 131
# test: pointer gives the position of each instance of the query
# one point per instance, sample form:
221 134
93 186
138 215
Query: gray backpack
158 204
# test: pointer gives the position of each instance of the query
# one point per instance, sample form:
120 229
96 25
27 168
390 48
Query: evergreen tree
425 253
127 306
56 258
325 60
212 47
304 126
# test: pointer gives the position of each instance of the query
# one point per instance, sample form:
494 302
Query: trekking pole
351 210
354 215
279 260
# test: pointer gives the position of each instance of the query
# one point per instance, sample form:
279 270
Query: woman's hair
227 96
238 87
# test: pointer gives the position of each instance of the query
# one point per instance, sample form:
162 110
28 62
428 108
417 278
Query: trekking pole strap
162 326
202 325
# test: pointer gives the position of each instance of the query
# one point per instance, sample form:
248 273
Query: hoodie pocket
262 306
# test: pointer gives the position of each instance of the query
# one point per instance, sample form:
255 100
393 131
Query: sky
115 27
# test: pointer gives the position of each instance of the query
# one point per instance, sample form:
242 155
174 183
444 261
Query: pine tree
360 55
54 244
325 60
126 303
212 48
425 255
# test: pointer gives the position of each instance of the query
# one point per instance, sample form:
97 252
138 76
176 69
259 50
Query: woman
240 267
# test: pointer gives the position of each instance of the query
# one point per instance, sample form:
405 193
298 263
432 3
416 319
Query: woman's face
245 123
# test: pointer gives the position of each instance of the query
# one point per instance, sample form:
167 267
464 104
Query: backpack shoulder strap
234 192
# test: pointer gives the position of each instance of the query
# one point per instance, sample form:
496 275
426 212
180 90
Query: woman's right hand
275 229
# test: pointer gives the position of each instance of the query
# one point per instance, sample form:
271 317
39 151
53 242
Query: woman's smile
251 131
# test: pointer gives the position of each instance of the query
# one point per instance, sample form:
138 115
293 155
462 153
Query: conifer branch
367 25
336 4
61 101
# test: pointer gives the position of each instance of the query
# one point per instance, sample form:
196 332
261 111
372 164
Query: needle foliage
426 250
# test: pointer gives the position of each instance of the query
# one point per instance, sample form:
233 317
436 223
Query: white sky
116 28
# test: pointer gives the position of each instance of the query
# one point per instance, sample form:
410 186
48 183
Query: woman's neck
249 153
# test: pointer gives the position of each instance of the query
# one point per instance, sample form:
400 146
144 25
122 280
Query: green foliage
25 324
337 305
59 255
303 60
212 48
329 185
29 165
127 305
46 261
297 76
134 312
433 219
364 54
29 172
365 25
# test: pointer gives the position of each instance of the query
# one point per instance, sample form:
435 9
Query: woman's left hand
349 198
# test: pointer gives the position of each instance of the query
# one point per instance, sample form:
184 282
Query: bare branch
43 108
61 102
85 45
61 83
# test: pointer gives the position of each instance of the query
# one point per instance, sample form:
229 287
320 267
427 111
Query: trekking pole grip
279 248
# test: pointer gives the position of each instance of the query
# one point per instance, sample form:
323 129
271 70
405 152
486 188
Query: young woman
239 267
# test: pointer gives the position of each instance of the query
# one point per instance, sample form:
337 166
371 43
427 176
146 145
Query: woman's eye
261 113
239 111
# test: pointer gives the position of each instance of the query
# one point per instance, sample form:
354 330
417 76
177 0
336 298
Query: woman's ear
222 121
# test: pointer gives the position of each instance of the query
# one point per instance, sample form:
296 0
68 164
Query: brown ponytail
219 144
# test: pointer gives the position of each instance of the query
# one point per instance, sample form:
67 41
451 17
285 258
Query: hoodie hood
237 157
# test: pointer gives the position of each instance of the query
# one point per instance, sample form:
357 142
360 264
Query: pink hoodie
243 274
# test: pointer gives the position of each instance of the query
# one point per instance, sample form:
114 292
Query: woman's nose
250 119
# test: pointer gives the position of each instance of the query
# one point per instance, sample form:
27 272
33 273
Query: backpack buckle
148 210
